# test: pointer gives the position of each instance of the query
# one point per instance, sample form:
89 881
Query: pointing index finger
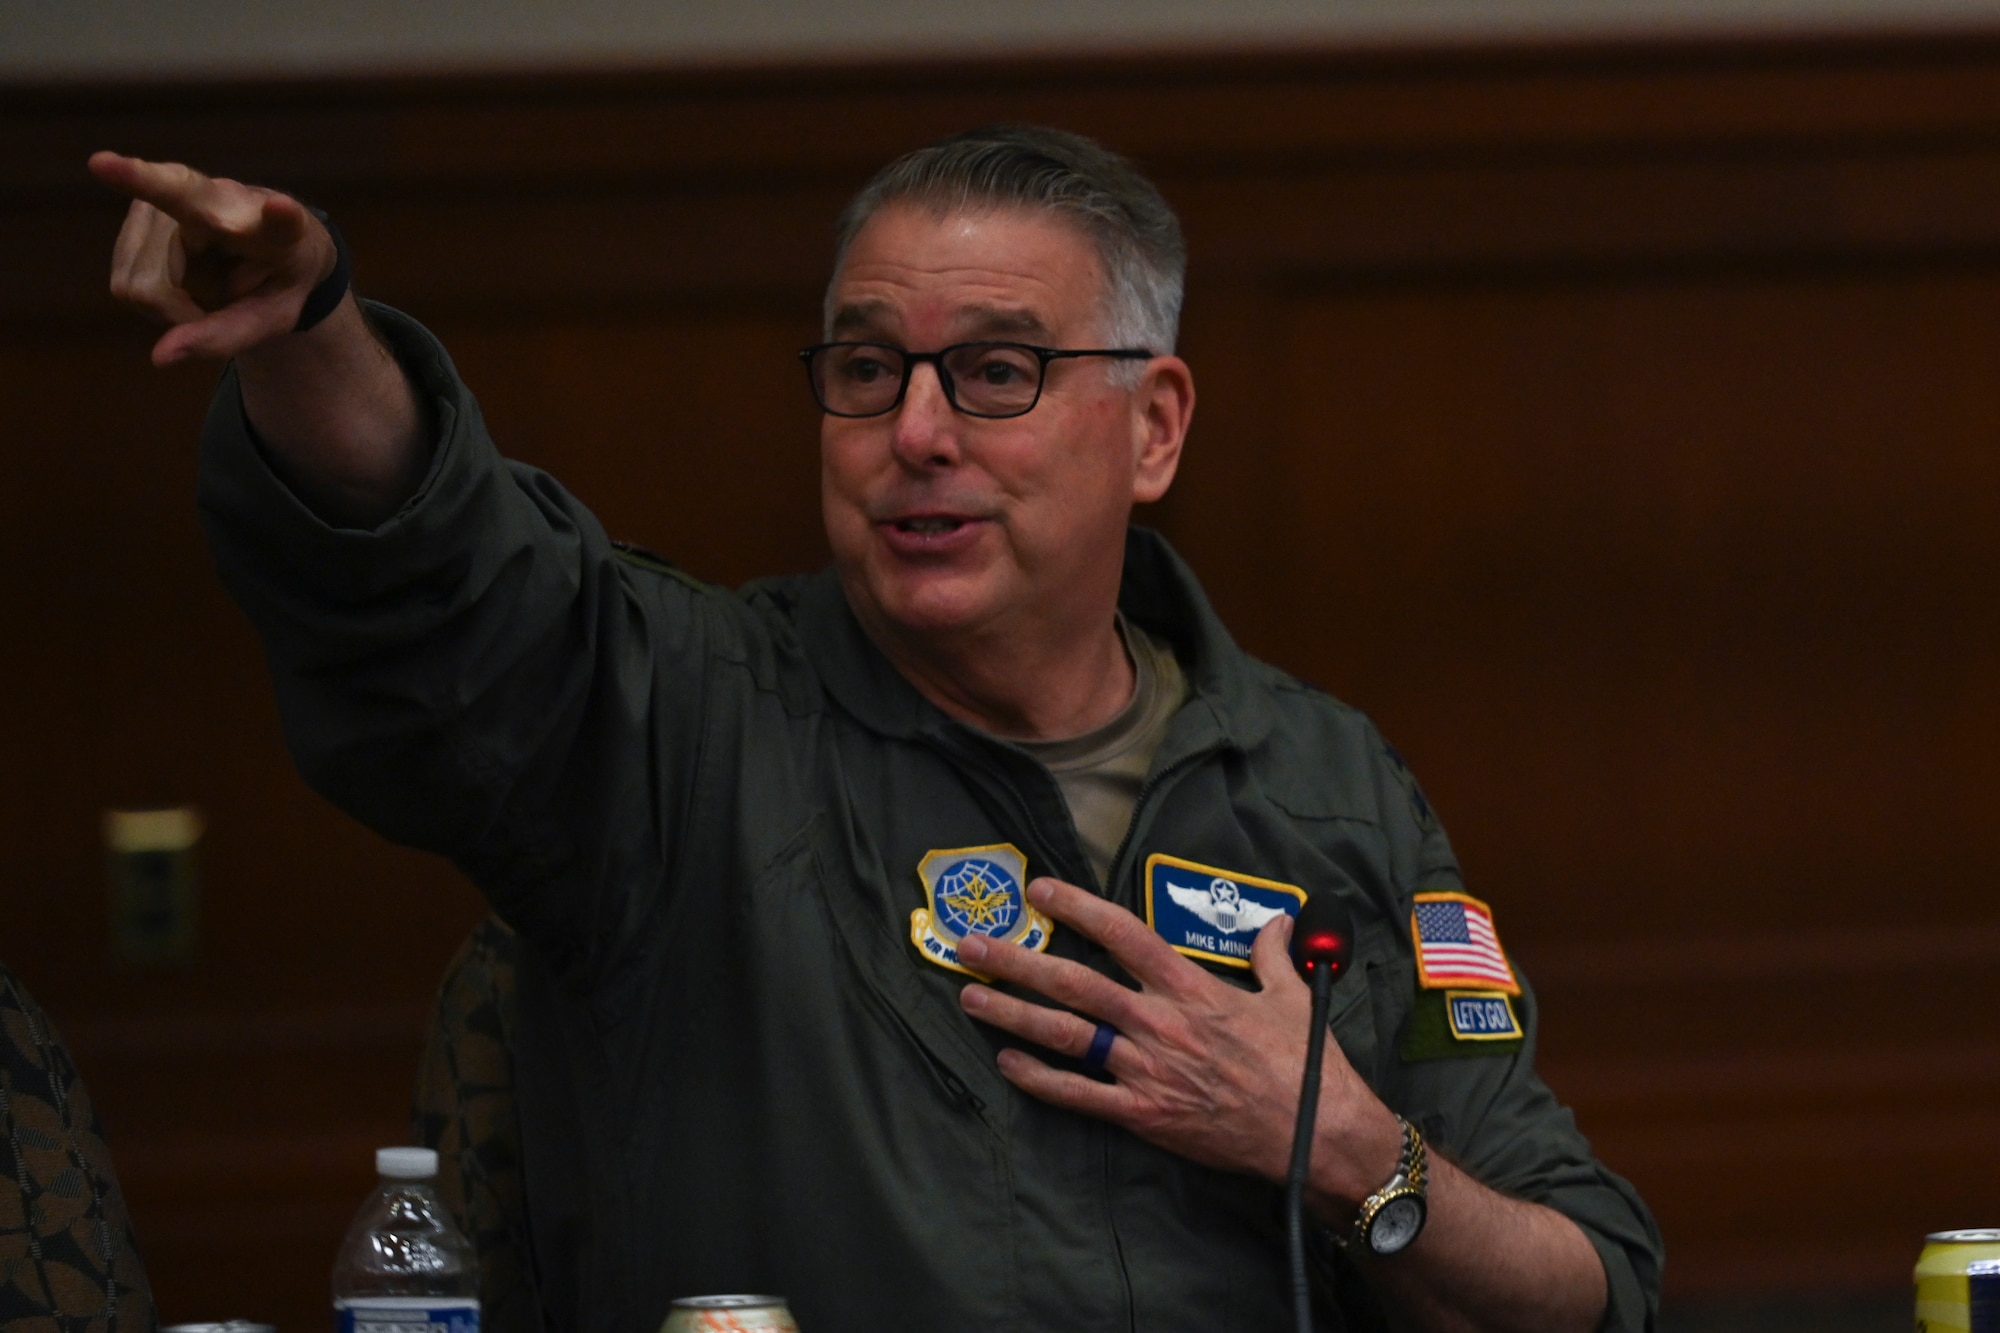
167 186
190 198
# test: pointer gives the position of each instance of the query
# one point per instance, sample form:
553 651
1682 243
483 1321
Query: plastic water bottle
404 1267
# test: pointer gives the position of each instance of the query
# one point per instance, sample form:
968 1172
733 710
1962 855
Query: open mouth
928 525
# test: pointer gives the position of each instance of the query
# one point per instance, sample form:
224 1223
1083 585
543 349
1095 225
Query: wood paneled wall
1616 424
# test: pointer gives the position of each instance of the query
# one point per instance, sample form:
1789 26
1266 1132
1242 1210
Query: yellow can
1958 1282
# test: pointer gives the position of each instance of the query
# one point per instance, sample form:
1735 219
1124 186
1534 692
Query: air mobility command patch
1465 985
1213 914
975 891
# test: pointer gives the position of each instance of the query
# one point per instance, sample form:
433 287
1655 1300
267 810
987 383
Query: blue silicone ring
1100 1048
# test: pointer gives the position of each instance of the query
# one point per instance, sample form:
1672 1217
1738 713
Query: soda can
730 1314
1958 1282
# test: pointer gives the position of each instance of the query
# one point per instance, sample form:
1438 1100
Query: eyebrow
858 317
982 321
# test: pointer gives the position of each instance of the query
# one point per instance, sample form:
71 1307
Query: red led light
1324 942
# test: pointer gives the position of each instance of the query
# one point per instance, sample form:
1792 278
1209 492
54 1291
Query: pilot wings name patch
1457 946
1213 914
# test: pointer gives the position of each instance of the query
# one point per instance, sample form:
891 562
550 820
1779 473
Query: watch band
1405 1190
324 298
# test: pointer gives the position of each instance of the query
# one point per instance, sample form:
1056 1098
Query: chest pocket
874 1124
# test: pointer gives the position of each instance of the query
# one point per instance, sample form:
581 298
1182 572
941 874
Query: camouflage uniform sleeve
464 1108
1483 1106
67 1255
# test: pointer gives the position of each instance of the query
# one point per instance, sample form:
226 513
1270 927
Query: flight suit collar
1158 592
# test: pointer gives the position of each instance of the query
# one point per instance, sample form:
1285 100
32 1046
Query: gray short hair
1137 236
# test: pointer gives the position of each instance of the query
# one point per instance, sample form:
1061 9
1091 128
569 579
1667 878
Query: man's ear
1162 407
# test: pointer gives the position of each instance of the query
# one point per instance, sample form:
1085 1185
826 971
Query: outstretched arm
228 267
1212 1073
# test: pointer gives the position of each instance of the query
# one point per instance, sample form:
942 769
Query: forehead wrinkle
977 321
990 320
887 279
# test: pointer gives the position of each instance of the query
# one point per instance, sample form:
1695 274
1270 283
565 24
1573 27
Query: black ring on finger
1100 1048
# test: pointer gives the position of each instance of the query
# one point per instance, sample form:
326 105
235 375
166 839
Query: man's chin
927 610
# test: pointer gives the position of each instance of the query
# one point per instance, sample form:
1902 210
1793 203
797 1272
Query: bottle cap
406 1163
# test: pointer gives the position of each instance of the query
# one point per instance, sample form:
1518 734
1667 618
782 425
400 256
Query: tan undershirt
1101 771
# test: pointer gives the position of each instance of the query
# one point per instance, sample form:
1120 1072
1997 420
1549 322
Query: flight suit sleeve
481 676
1496 1119
1492 1115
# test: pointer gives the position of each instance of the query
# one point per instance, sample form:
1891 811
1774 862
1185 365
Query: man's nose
926 427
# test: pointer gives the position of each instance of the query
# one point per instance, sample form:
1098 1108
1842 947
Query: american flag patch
1457 945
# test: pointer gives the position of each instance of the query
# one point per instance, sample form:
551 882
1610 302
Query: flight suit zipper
1154 781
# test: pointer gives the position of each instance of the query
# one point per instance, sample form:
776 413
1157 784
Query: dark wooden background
1616 424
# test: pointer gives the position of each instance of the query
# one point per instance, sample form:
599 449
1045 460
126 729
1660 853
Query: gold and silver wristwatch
1392 1216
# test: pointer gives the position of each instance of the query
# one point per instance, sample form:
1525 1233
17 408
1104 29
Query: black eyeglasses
854 379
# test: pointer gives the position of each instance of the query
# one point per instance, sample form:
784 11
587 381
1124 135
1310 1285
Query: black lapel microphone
1322 944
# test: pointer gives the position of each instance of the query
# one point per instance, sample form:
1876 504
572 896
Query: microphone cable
1322 944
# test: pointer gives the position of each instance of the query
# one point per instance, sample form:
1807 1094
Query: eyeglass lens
990 379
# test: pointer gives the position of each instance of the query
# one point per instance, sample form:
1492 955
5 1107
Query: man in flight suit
909 939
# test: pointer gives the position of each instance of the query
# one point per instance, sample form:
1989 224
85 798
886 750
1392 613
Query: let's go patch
1213 914
1481 1016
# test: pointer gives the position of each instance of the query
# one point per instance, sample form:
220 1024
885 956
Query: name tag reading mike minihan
975 891
1213 914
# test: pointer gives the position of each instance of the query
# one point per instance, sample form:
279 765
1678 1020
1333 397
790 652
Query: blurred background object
1611 414
234 38
149 857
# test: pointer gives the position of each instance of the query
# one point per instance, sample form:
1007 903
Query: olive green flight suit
703 811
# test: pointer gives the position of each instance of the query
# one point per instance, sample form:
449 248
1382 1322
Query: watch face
1396 1224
